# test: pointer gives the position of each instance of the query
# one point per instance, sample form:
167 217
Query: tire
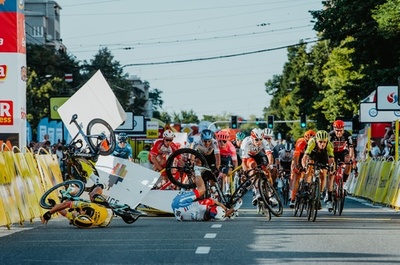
341 197
296 208
54 194
180 169
314 201
267 191
95 127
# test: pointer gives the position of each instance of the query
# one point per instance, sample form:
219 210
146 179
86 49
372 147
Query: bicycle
285 175
99 139
302 198
338 194
182 162
62 192
314 202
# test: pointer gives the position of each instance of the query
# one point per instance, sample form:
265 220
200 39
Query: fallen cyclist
86 214
187 205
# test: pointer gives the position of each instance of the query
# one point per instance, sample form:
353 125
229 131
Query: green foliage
387 16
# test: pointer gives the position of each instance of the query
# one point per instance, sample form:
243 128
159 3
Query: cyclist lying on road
82 214
186 207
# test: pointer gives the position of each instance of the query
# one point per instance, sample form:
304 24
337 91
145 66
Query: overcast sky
212 57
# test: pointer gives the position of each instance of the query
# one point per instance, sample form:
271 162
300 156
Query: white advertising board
95 99
387 98
369 113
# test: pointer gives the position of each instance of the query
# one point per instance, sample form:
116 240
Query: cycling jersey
195 211
98 213
285 159
342 143
123 152
212 149
300 147
249 149
313 150
160 150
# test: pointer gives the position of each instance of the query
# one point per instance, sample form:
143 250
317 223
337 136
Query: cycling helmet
268 132
288 147
223 136
122 138
206 134
168 134
322 135
308 134
83 221
339 124
257 133
217 213
240 136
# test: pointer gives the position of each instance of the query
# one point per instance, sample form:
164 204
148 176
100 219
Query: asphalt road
364 234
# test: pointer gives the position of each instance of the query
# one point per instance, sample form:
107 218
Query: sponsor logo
6 111
392 97
3 71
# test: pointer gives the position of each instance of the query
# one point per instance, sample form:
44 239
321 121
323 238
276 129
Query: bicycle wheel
101 137
267 193
180 167
341 197
314 201
53 195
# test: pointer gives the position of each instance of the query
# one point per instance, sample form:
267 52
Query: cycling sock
345 177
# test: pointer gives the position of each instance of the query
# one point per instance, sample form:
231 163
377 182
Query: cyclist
237 143
274 146
319 150
160 151
228 159
256 151
343 150
187 206
208 147
284 160
82 214
123 150
297 172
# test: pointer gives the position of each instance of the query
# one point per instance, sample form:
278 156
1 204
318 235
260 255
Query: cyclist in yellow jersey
319 150
81 214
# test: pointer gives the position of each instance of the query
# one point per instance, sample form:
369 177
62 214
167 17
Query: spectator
143 156
375 150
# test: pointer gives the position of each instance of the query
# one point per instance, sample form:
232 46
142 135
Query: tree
387 16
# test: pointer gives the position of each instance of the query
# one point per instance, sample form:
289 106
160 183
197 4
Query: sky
212 57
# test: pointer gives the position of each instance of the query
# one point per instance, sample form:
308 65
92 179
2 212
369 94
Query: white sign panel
125 182
369 113
387 98
95 99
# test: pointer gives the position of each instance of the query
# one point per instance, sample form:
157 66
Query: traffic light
234 123
303 121
257 121
270 121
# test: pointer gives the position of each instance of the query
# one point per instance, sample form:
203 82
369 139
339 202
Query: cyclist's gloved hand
185 199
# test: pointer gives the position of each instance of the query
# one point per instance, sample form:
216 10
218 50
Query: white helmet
168 134
268 132
217 213
257 133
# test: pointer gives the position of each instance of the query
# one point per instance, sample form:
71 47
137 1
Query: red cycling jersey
228 150
300 147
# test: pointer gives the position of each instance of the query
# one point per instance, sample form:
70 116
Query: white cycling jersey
199 146
248 148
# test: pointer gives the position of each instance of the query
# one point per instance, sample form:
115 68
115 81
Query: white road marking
202 250
216 226
210 235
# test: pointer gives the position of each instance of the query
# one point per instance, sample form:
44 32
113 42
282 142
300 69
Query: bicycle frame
85 137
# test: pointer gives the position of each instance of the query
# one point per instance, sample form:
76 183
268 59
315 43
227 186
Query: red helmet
308 134
339 124
223 136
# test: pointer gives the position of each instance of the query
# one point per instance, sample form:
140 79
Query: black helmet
83 221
